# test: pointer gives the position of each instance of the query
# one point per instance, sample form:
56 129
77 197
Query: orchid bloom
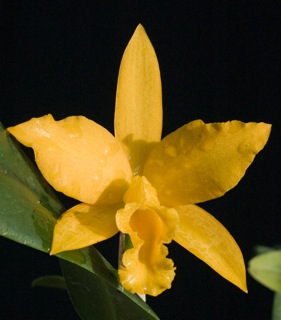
141 185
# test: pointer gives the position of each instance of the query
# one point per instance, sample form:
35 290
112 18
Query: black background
219 60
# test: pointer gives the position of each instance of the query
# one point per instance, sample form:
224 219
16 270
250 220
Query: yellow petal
201 234
82 226
77 157
146 270
142 192
138 112
199 162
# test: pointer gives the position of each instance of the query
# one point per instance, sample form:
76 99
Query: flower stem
122 240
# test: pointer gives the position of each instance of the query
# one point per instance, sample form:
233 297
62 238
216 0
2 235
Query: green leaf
276 309
13 162
96 299
266 269
29 207
259 249
51 281
28 212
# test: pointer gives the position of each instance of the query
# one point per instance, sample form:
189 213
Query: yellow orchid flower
141 185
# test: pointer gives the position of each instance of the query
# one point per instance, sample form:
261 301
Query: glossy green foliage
266 269
276 308
29 208
51 281
28 212
93 297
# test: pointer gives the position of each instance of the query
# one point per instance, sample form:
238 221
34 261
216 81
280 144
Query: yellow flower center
146 270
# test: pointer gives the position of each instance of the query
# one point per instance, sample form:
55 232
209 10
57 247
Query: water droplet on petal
102 162
244 147
207 144
170 151
234 126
